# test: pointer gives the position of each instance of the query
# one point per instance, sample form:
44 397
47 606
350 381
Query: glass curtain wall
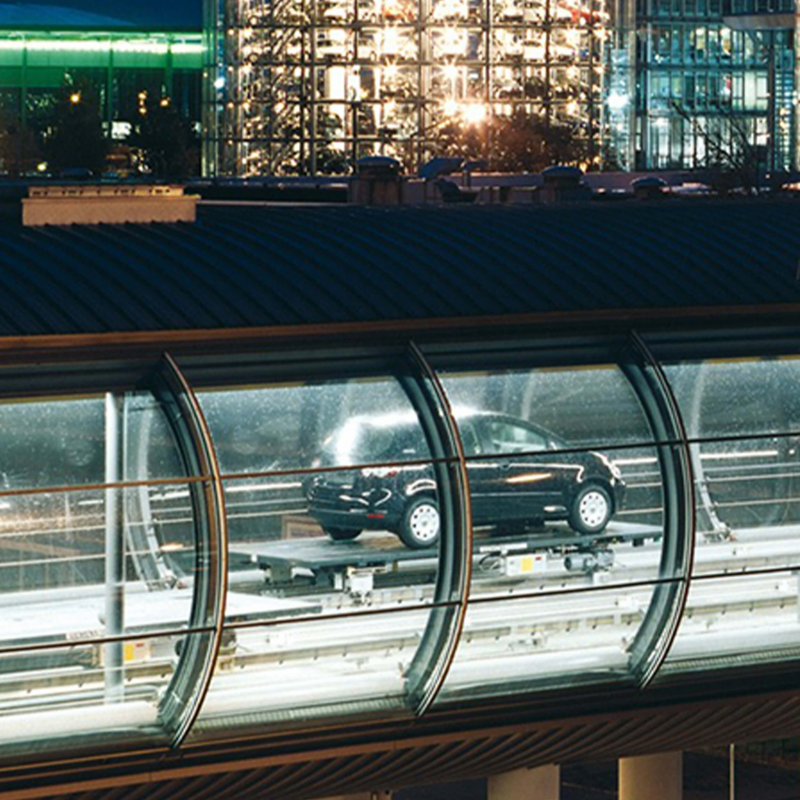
709 96
311 86
118 66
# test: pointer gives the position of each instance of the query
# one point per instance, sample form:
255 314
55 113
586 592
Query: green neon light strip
89 46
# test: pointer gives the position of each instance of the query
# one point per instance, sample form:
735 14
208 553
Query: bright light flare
474 113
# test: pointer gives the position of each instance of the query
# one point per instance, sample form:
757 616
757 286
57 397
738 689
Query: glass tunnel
305 538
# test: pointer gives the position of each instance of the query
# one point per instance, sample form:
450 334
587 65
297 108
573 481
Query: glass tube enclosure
293 540
311 86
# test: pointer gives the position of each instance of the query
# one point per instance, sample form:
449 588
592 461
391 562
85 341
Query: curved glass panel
742 417
295 426
56 697
61 442
743 422
560 639
333 516
737 397
94 608
567 509
733 620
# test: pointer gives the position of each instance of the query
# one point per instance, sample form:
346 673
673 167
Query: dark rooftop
246 266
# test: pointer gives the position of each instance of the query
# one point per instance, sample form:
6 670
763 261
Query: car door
517 483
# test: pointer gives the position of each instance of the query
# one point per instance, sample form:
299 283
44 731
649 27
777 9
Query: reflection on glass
332 509
52 443
743 417
55 443
149 445
747 397
286 427
94 605
746 483
592 407
547 641
557 445
52 695
566 496
53 564
312 668
737 619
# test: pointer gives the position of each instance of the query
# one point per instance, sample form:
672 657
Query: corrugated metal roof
250 266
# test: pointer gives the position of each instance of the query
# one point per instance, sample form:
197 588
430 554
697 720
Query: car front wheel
342 534
420 526
591 510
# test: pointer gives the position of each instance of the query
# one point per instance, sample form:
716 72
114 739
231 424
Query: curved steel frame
437 649
181 702
657 631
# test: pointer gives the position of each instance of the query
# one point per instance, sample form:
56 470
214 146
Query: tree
520 142
75 131
733 159
169 145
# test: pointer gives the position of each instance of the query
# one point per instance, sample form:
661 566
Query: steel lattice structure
311 86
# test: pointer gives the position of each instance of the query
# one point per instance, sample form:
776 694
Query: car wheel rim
593 509
424 523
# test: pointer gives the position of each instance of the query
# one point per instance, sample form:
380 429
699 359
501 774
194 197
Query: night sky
168 13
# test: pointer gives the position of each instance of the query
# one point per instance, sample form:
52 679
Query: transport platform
377 558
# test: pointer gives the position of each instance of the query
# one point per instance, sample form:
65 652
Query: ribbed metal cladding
392 765
248 266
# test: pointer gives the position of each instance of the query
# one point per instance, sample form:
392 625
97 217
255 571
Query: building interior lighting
357 78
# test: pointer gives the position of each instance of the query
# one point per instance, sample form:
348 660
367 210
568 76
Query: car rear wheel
420 526
591 509
342 534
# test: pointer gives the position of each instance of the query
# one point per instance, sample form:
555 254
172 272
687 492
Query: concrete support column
657 777
542 783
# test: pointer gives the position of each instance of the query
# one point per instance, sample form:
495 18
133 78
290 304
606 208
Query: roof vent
89 204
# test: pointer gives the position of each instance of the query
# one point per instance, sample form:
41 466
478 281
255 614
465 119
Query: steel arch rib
438 646
189 685
660 626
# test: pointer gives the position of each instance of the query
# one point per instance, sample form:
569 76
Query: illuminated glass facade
313 86
715 87
303 87
118 65
231 545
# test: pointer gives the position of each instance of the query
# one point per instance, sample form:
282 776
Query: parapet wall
93 205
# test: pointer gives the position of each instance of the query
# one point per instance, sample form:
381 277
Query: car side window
506 437
469 439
